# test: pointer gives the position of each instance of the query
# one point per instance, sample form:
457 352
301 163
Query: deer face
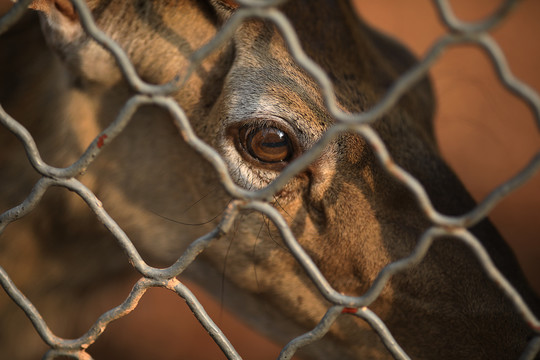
253 103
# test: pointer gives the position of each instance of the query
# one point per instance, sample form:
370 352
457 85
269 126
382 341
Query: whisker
267 223
253 254
281 207
198 201
191 224
224 272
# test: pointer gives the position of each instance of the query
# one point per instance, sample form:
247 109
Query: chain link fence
476 33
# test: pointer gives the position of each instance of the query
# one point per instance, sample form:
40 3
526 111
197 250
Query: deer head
261 110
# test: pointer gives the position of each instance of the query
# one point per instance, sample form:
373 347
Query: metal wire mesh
459 32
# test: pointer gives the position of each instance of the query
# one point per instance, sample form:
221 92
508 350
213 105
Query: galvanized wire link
380 328
14 14
118 53
442 225
310 337
532 349
454 24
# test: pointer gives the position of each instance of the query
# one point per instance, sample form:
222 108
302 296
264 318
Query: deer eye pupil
267 144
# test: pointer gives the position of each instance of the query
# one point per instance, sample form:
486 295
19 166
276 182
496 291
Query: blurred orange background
485 133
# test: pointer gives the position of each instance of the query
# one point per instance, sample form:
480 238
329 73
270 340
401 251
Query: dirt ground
485 133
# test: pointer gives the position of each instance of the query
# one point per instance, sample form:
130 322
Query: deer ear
60 21
231 4
224 8
59 7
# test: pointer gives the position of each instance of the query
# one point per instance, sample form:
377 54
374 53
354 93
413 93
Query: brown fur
345 210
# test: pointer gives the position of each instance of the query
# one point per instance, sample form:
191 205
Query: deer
252 102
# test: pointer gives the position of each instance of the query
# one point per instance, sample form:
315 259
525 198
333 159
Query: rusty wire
442 225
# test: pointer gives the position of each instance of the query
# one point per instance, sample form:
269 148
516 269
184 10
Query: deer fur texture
350 216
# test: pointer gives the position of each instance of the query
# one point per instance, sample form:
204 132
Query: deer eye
266 144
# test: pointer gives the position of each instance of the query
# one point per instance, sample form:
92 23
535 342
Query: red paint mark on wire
101 141
349 310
